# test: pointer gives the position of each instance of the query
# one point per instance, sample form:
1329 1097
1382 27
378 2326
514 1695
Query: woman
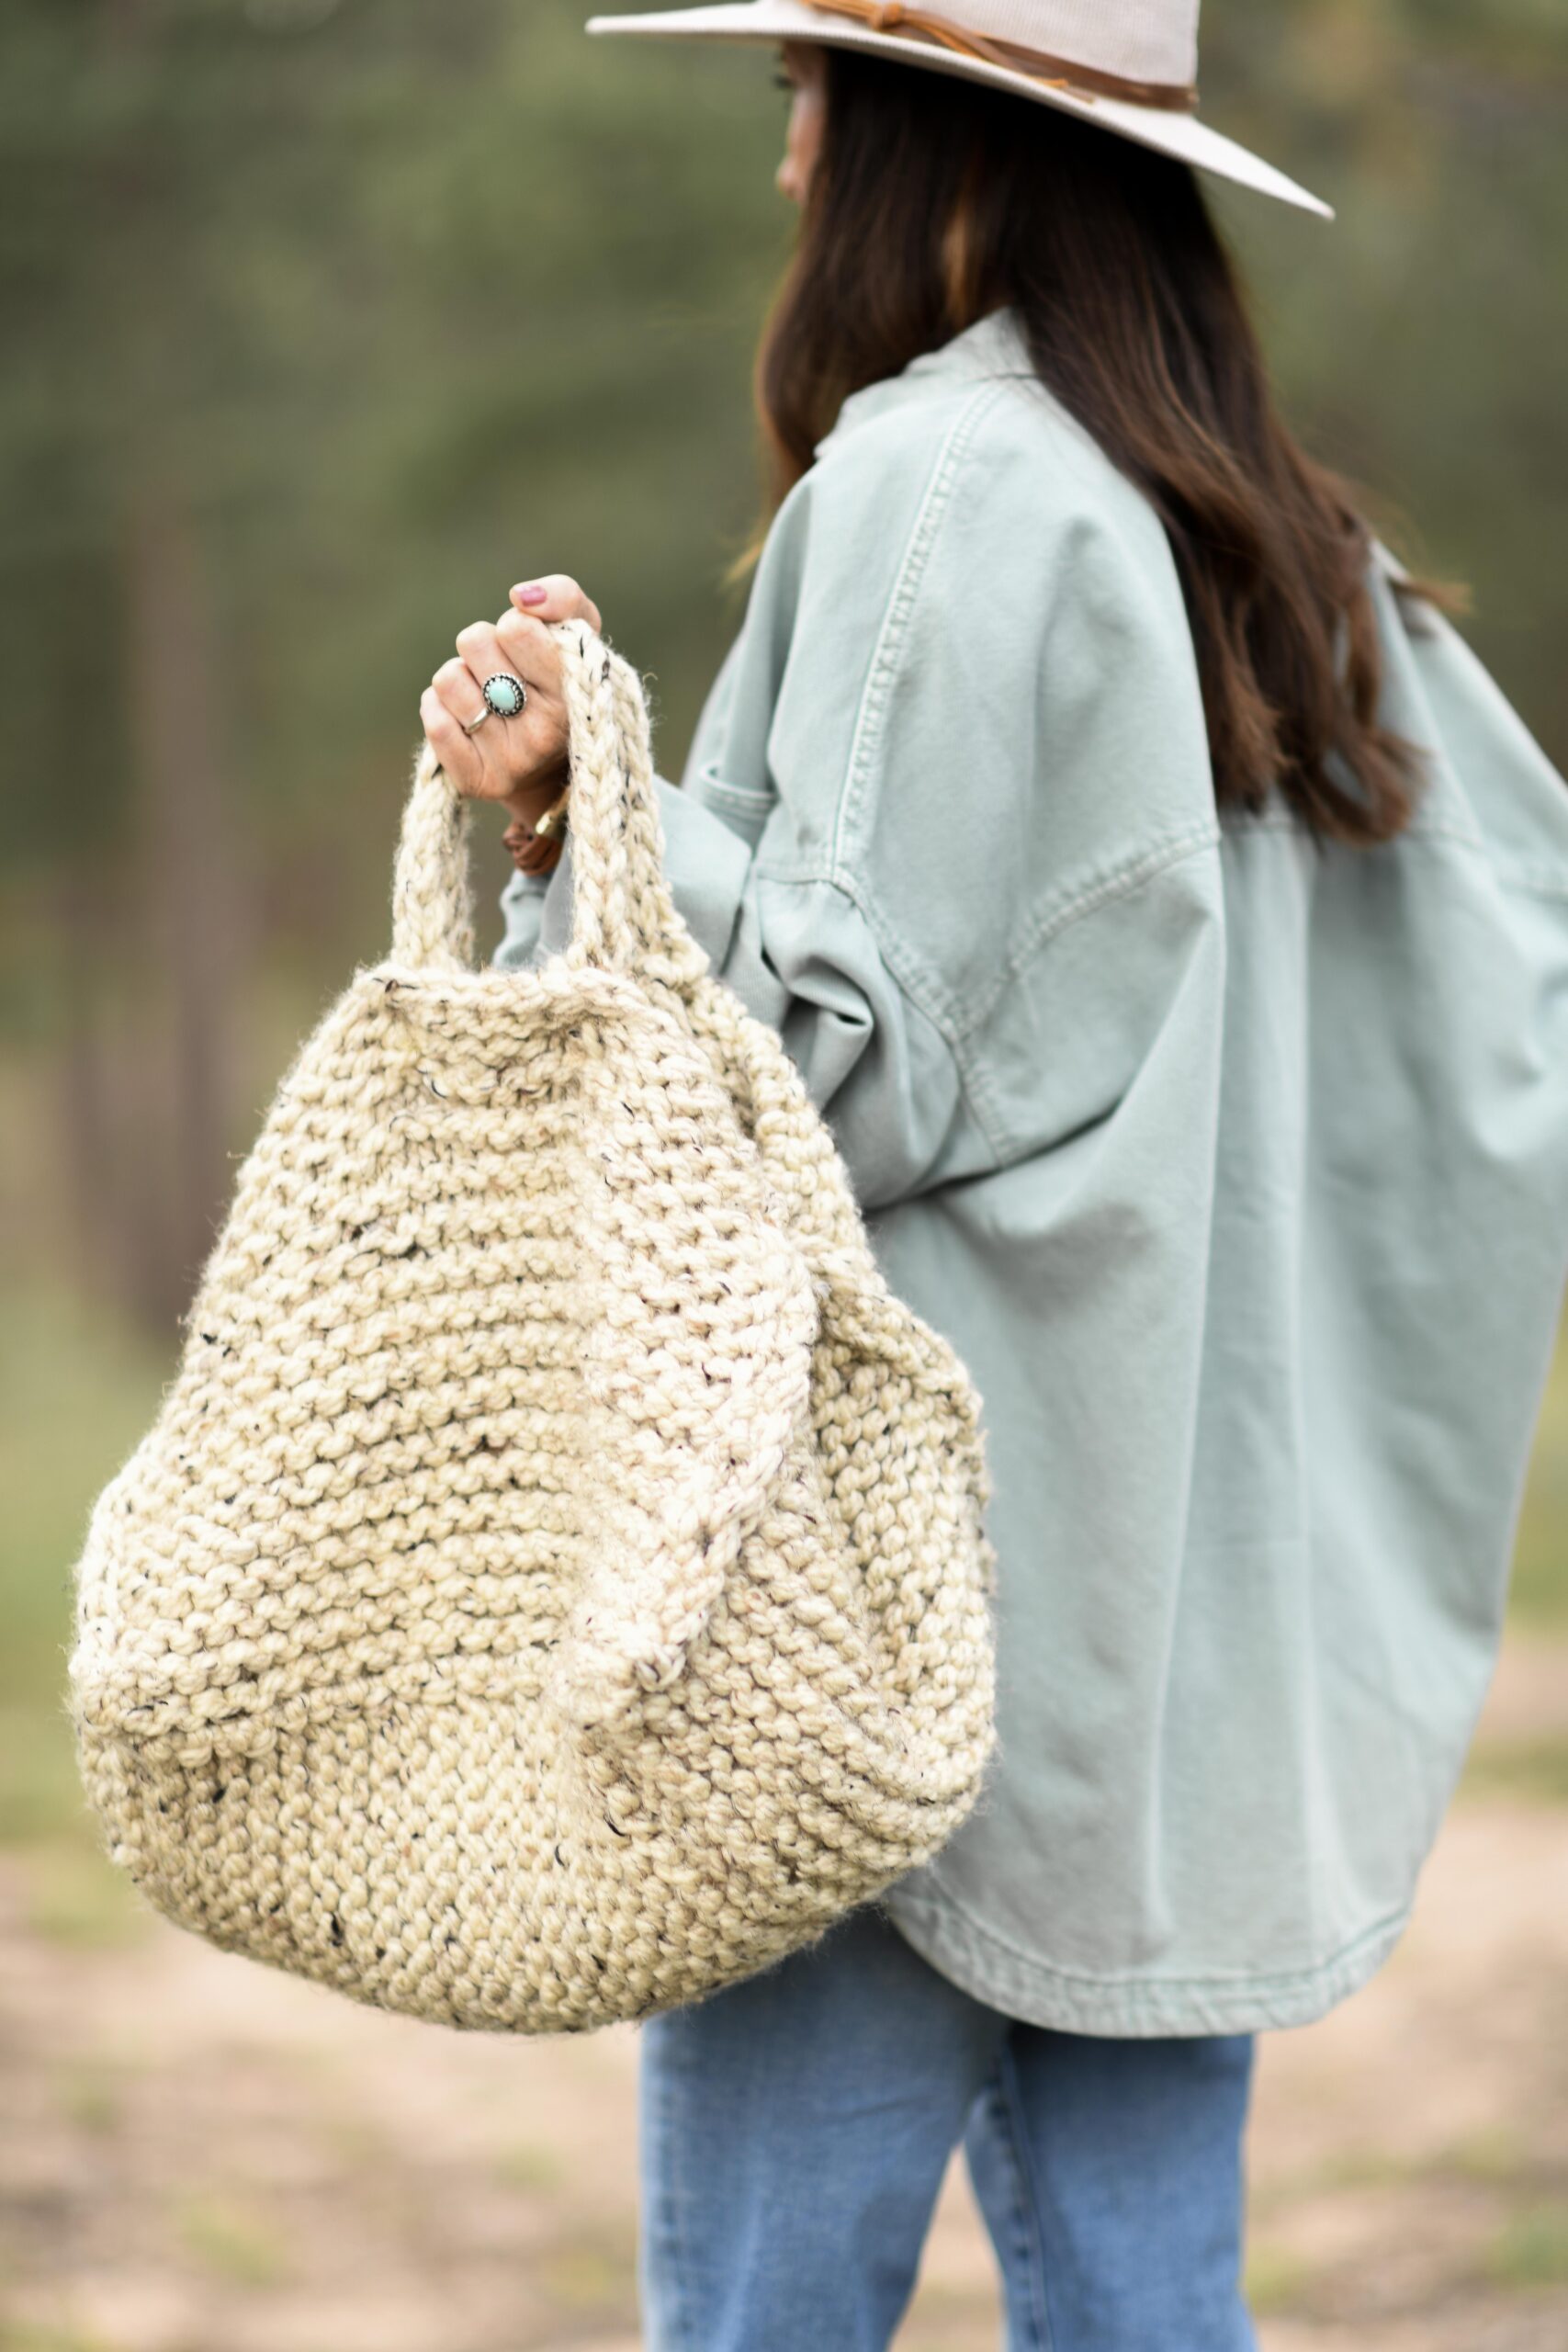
1172 918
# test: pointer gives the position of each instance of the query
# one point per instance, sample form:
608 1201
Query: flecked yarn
555 1585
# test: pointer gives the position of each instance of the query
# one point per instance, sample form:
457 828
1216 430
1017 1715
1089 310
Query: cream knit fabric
555 1585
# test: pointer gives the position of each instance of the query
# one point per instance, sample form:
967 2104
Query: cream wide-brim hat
1117 39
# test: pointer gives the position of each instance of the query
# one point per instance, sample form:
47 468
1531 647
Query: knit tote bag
555 1585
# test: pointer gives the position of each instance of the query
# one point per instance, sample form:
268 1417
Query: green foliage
399 304
1421 339
403 302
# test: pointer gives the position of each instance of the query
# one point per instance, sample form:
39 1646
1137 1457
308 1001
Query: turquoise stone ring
504 694
504 697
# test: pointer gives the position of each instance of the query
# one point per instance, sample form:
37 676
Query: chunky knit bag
555 1584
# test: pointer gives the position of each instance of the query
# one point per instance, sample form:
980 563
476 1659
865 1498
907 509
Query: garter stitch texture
555 1585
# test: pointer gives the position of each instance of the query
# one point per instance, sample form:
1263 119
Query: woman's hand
520 762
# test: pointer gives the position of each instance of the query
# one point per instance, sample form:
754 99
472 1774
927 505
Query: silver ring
505 697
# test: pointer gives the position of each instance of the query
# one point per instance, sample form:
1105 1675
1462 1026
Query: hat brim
1181 135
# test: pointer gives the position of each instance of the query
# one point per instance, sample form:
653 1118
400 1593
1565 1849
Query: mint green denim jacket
1236 1169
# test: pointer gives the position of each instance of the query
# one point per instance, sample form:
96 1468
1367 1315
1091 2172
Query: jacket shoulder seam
956 1027
1121 879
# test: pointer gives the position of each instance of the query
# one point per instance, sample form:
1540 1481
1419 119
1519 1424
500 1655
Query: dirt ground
200 2157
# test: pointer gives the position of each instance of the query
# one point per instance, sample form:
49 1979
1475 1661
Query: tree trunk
191 947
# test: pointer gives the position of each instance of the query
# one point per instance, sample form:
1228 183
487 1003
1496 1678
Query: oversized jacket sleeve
958 660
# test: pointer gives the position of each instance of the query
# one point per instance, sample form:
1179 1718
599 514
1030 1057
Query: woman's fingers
555 596
455 750
513 760
459 690
481 648
526 646
521 761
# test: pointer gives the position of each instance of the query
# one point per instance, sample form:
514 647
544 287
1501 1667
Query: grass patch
40 1793
1276 2280
1364 2168
1540 1592
1497 2157
91 2097
358 2142
589 2274
232 2242
538 2170
1487 2159
77 1391
78 1901
1533 1771
1532 2249
22 2335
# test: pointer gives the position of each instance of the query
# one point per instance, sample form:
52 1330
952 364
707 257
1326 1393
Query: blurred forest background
326 320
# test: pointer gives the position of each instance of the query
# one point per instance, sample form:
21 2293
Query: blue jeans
795 2130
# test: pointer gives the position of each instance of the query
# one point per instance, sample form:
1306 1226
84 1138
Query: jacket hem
1036 1992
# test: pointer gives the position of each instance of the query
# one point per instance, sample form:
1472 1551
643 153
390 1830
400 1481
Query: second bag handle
623 918
622 914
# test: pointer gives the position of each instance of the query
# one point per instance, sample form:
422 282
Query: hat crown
1130 65
1144 40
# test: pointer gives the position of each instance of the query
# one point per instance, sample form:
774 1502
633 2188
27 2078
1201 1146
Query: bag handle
623 918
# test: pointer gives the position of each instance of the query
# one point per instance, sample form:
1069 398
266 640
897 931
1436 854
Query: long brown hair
932 202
